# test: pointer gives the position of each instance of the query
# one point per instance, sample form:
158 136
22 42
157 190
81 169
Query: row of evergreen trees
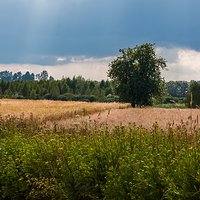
10 76
76 89
43 86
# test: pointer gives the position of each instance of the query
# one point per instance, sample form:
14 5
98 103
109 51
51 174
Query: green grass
171 105
87 162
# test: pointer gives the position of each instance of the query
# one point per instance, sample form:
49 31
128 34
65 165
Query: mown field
97 151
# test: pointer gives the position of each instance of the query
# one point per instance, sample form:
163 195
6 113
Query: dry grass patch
53 110
146 117
67 113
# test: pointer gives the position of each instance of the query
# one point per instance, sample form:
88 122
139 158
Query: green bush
100 163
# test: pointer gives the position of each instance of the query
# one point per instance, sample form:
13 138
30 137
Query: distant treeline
10 76
76 89
176 91
43 86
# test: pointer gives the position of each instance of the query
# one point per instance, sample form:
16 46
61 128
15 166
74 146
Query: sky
81 37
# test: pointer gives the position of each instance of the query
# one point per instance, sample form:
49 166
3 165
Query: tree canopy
193 97
10 76
177 88
137 74
75 89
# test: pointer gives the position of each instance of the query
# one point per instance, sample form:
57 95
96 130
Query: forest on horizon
42 86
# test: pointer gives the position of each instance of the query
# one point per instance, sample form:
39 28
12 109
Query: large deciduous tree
137 74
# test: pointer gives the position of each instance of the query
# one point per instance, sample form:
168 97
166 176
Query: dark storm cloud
36 31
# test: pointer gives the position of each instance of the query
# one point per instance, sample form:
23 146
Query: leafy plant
98 162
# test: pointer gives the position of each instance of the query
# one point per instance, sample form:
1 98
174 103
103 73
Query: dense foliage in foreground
86 162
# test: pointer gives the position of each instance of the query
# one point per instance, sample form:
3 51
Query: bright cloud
89 68
183 64
61 59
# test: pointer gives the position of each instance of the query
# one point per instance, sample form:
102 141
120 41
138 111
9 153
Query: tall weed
89 162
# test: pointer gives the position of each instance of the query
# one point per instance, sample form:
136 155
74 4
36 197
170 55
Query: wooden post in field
191 100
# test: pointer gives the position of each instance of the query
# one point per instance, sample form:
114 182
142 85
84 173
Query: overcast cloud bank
183 64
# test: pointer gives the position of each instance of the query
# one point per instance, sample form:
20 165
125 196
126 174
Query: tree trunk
133 104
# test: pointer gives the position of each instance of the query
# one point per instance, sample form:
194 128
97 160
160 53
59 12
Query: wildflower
46 163
60 148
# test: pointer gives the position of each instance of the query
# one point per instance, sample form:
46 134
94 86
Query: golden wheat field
112 114
47 109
